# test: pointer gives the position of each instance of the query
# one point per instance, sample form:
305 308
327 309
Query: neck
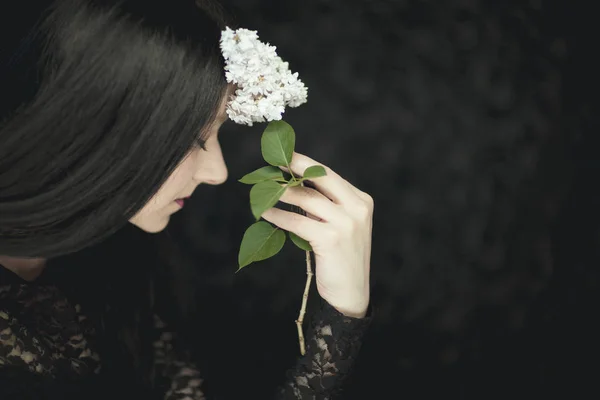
27 268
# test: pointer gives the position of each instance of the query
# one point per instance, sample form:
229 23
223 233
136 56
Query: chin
152 226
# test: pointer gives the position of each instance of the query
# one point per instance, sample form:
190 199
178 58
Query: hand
339 232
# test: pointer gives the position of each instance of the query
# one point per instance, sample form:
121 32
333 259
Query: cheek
178 183
155 215
174 187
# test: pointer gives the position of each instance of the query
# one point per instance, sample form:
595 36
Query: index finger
336 188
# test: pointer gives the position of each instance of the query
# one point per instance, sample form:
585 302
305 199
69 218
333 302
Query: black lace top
44 338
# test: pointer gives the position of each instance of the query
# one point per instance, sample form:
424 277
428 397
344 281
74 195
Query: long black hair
100 101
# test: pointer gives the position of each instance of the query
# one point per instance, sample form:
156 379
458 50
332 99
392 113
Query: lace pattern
181 378
63 348
43 335
331 349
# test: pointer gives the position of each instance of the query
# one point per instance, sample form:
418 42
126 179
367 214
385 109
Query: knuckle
302 223
307 196
297 219
362 211
369 201
331 236
296 222
312 203
304 192
287 194
292 195
349 224
365 207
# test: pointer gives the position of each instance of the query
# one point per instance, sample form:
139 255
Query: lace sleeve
332 344
176 374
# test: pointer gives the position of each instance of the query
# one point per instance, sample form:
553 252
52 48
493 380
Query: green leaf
265 195
263 174
277 143
295 183
261 241
316 171
301 243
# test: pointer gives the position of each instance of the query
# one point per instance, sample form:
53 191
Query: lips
181 202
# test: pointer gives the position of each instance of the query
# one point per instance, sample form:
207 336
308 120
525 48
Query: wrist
358 312
352 305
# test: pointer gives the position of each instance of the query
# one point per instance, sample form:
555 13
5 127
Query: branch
309 275
300 320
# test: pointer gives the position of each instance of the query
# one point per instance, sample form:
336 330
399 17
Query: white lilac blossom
265 84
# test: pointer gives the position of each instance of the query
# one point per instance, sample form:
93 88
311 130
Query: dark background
472 124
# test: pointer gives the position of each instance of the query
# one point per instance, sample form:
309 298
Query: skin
199 167
338 226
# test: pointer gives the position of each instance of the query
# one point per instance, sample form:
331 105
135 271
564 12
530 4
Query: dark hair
100 101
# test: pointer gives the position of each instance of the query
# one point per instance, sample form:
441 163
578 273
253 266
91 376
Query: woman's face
200 166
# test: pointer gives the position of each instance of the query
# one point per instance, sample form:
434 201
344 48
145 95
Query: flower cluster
265 85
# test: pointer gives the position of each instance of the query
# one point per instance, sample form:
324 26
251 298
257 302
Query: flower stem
300 320
309 275
287 165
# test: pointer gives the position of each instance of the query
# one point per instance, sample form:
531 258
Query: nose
211 166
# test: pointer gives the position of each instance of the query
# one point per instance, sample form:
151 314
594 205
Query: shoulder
20 344
42 333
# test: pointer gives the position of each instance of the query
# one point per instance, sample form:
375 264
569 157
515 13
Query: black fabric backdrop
467 122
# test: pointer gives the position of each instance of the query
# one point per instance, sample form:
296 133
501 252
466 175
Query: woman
109 120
